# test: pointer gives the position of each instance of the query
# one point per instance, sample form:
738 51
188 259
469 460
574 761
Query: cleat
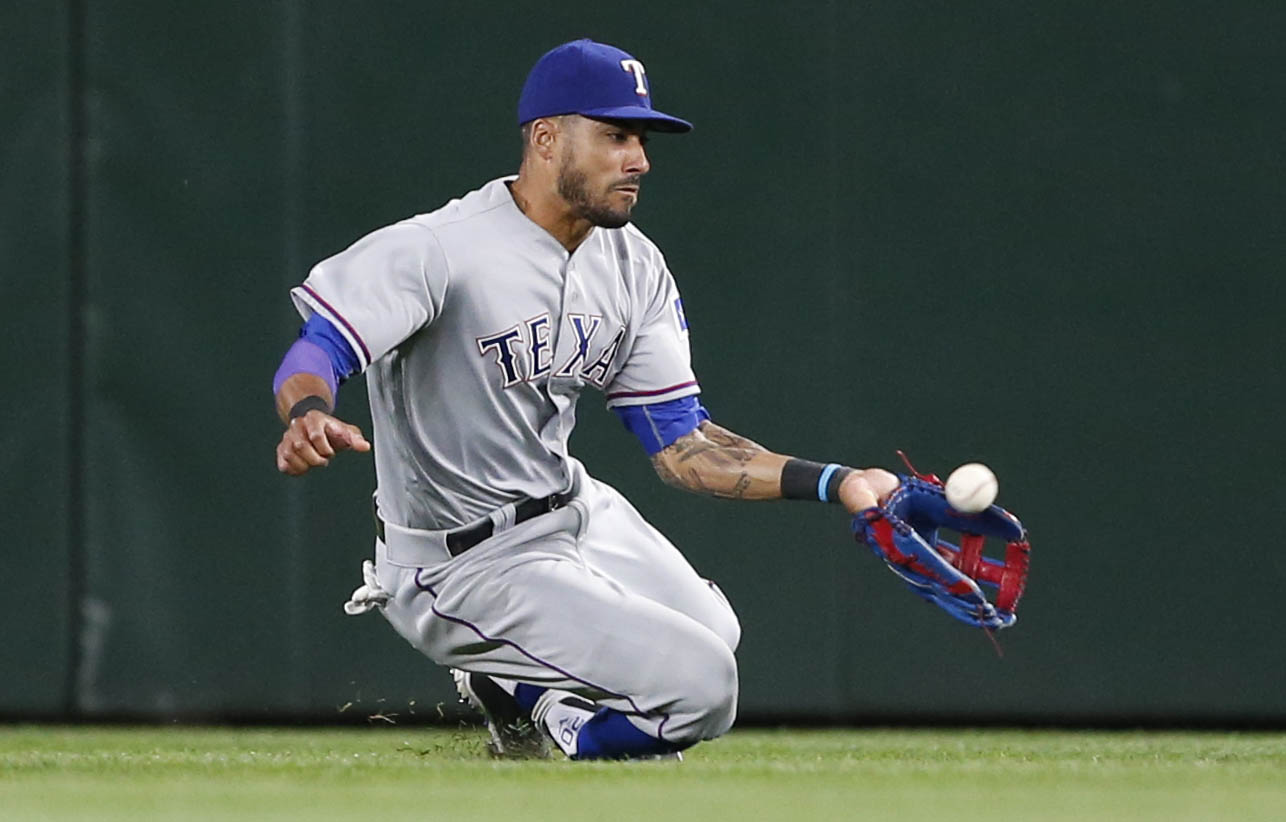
513 734
564 727
562 714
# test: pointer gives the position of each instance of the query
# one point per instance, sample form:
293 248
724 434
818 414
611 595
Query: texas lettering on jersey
535 358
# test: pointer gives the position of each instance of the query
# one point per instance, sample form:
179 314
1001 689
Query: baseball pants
589 598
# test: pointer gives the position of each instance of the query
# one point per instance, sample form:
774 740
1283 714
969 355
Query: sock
527 695
610 735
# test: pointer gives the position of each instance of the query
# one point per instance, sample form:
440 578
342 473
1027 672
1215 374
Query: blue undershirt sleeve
658 425
319 331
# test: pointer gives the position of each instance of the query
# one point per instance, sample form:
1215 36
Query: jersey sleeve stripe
621 395
344 325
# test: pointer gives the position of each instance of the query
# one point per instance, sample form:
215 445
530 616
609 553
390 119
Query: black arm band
309 403
801 479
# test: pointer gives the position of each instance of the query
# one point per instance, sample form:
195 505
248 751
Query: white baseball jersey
480 331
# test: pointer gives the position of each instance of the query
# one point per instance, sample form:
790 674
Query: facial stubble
573 186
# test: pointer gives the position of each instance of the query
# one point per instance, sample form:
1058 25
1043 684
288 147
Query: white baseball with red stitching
971 488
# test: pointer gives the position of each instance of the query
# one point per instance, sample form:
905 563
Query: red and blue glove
904 533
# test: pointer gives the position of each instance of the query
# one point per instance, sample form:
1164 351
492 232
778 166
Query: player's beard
573 186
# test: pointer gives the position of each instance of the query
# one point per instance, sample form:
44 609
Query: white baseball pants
589 598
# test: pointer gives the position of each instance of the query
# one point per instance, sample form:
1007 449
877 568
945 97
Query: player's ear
544 134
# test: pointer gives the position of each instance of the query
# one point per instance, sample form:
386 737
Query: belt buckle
553 502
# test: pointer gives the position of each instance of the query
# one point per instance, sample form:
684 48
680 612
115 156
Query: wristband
310 403
802 479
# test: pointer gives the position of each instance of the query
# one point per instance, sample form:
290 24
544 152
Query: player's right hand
311 440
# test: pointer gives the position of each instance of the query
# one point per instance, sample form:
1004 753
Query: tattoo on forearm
717 462
714 454
663 471
723 436
685 451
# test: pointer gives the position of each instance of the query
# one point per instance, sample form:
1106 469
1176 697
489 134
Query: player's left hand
867 488
903 531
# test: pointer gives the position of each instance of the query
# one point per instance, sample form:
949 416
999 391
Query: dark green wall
1048 238
36 408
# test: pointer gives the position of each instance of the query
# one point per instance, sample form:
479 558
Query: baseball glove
904 533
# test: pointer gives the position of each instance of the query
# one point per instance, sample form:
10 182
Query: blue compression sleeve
660 424
320 332
305 358
320 350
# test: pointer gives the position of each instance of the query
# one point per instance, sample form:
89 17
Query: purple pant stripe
664 716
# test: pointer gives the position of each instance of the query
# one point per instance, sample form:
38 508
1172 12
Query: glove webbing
1009 577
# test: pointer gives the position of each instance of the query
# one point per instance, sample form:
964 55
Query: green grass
376 774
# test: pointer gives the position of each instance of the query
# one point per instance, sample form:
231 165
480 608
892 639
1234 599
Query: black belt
463 539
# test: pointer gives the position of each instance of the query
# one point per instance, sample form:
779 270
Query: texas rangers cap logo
636 68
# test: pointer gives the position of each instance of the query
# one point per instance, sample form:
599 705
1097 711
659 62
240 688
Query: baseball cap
594 80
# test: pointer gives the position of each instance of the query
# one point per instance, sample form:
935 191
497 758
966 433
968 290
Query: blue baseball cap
593 80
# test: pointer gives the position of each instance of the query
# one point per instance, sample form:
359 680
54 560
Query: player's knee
724 620
711 694
729 630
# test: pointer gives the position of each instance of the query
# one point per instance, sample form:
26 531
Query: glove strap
933 478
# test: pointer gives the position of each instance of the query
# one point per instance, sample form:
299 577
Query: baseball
971 488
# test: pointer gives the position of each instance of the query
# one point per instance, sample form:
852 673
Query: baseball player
564 615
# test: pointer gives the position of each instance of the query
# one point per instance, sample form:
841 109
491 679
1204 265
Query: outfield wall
1049 238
